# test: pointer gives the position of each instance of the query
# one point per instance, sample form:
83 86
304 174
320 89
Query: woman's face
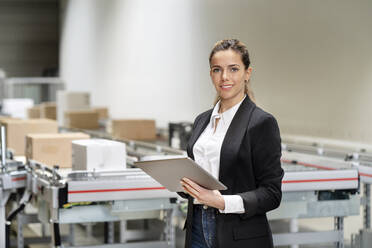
228 75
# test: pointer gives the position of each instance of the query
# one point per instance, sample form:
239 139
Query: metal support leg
170 232
2 226
367 208
4 196
56 235
20 237
123 229
339 226
88 230
293 228
43 230
109 232
71 234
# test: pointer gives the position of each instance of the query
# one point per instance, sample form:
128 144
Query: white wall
138 57
320 64
312 58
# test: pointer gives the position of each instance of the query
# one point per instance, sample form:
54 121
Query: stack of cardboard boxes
84 119
38 138
34 112
4 118
103 113
74 111
133 129
46 110
52 149
17 129
71 101
76 114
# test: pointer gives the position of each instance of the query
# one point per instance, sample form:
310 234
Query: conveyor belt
330 159
359 154
305 172
127 184
124 185
119 191
332 144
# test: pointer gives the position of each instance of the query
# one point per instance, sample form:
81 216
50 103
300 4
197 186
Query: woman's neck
227 104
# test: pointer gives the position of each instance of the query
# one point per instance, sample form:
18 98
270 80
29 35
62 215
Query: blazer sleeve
265 145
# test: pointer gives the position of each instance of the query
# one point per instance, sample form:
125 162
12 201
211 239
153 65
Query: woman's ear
248 73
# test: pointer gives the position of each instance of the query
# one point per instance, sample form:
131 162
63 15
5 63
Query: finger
191 190
193 184
187 180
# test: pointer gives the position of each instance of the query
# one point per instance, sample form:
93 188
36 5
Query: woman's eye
215 70
234 69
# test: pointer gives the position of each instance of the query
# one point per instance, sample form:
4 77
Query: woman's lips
226 86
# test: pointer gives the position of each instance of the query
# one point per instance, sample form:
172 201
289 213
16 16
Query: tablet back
169 173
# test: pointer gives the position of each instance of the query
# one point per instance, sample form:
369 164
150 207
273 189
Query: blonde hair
241 49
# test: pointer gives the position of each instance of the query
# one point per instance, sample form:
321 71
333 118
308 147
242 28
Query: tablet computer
169 172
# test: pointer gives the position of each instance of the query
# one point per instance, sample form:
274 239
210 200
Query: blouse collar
226 116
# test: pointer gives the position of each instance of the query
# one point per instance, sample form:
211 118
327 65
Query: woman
238 143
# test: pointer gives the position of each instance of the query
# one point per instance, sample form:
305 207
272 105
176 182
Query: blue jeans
203 227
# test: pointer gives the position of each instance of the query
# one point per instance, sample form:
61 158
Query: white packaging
98 155
17 107
69 100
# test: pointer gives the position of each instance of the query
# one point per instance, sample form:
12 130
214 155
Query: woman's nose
224 75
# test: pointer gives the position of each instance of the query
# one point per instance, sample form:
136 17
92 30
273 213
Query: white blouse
207 151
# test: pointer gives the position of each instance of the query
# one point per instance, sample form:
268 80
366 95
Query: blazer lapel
199 128
232 141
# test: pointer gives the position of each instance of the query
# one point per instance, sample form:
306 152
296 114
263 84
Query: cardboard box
34 112
134 129
85 119
4 118
16 131
103 113
48 110
52 149
98 154
68 100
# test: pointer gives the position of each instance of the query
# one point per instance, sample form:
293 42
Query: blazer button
205 206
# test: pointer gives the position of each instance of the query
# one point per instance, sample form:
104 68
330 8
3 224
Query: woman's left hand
212 198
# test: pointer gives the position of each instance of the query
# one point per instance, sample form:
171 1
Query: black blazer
250 167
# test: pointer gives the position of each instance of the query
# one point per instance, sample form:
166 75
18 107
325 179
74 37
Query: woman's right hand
212 198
